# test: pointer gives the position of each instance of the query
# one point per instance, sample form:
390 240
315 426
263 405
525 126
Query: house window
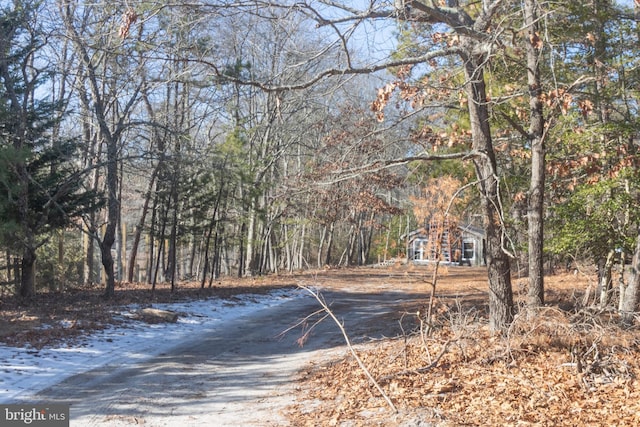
419 249
468 250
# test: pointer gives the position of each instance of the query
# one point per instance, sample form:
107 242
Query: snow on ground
25 371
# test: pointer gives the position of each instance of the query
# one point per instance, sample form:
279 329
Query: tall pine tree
39 189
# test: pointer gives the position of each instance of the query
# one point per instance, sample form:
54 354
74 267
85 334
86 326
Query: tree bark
327 260
113 213
140 226
604 278
213 225
535 295
630 301
323 235
241 253
27 278
498 262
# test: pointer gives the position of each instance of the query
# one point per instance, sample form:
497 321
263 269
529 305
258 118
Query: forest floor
569 365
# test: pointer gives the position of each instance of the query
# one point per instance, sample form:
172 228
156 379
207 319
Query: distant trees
230 139
351 209
107 95
455 43
488 57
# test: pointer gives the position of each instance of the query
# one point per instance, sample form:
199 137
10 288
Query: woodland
155 142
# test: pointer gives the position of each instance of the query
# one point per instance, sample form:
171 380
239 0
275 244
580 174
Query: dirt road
239 374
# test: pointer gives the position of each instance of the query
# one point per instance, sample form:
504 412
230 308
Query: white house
460 244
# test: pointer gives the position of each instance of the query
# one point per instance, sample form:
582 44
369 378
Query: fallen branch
303 322
418 370
325 307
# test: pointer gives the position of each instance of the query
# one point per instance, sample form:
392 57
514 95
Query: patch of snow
26 371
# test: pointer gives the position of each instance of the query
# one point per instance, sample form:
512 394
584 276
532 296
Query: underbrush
551 368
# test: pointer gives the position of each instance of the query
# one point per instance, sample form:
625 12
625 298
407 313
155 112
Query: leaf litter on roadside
552 369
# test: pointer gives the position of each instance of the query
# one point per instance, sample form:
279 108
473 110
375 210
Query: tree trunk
251 262
59 282
113 213
622 283
27 278
108 264
535 296
274 253
323 235
140 225
151 248
121 235
327 260
303 233
172 256
630 301
213 224
160 250
604 278
498 263
241 253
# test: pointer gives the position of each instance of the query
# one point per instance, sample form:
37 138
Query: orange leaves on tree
450 39
411 94
521 196
432 140
535 40
415 94
592 167
586 107
435 199
129 17
404 71
558 98
381 101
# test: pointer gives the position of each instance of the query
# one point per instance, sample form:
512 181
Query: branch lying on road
305 336
326 308
418 370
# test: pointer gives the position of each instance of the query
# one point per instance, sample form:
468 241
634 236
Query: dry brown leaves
553 369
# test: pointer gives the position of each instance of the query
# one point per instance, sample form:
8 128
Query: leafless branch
331 72
330 313
422 370
378 165
303 322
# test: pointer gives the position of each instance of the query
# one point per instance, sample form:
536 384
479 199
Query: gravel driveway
240 374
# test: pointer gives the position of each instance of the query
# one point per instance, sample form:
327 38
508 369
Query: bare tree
472 42
112 97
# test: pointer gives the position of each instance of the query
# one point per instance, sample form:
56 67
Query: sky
25 371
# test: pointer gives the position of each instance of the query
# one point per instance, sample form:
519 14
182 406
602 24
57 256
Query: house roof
414 233
473 230
465 228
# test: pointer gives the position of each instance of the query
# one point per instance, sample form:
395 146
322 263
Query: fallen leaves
529 378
